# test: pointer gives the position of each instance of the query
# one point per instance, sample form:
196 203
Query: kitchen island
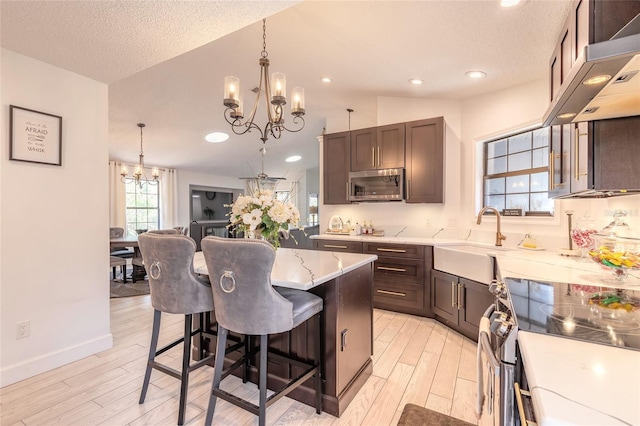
344 281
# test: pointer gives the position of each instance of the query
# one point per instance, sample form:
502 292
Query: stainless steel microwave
377 185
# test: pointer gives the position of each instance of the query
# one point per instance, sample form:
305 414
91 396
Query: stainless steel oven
501 375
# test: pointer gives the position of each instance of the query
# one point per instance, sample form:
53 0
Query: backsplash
436 221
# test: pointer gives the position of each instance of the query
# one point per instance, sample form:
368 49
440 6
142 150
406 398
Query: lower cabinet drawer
398 297
409 271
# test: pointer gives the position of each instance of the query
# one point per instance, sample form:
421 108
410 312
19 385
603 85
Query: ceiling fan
262 181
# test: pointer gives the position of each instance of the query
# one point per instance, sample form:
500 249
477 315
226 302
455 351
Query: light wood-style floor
416 360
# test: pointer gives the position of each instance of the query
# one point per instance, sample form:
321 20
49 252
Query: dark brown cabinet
459 302
425 160
417 146
378 148
336 162
590 21
401 276
597 155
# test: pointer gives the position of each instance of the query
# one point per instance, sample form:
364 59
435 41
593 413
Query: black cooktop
593 313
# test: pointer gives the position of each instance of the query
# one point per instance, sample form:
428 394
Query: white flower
279 212
253 218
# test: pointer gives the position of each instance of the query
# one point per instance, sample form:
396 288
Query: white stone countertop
514 262
304 269
578 383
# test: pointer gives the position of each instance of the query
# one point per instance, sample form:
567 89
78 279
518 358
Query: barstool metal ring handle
228 274
155 271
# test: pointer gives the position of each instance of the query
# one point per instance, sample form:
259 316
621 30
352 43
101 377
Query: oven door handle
484 347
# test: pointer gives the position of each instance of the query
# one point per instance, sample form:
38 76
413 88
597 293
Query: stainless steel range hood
619 59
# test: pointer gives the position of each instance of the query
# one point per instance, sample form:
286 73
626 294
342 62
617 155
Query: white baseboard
43 363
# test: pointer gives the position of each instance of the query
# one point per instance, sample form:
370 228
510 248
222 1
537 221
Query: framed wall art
35 136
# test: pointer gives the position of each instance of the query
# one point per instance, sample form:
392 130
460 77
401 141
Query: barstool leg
318 377
217 373
245 370
263 380
186 359
152 353
114 273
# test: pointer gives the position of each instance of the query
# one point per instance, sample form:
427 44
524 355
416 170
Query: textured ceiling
165 63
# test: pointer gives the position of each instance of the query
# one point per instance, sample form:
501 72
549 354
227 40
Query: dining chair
122 253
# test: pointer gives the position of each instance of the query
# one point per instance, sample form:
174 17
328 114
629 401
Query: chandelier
139 173
274 96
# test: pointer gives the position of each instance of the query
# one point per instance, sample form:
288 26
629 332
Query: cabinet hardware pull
576 155
392 293
392 250
552 175
408 189
519 392
552 166
343 339
373 156
334 246
453 294
378 156
385 268
576 158
460 298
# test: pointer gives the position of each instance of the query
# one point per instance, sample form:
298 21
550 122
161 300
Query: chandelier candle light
139 174
274 96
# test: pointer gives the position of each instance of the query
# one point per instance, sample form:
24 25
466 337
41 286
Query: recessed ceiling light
509 3
326 80
216 137
598 79
416 81
476 74
293 159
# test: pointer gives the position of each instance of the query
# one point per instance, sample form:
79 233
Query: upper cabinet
590 21
377 148
425 160
417 146
595 157
336 150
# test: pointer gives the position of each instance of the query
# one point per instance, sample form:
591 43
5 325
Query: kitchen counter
573 382
542 265
304 269
344 281
578 383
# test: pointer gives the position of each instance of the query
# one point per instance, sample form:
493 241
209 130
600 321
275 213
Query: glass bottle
582 235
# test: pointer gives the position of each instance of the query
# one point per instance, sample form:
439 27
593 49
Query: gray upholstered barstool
175 289
246 303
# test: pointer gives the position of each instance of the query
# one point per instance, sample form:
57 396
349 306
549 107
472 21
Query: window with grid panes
142 203
516 173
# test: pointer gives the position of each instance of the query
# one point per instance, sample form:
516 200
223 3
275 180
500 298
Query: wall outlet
452 223
428 222
23 329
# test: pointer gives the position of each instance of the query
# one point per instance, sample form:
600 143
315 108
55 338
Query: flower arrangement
261 215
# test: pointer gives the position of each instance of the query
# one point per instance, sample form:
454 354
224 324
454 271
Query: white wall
53 235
